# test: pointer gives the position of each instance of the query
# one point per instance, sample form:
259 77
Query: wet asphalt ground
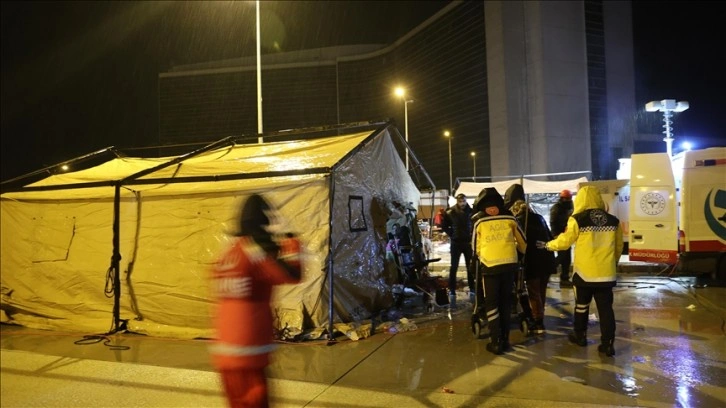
670 352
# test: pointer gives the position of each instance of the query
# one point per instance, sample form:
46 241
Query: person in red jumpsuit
242 281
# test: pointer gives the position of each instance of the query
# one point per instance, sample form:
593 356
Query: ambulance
677 211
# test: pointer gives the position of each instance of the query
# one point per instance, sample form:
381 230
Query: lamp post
451 177
667 106
401 93
259 76
473 156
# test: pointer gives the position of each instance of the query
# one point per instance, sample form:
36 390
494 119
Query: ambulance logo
716 214
652 203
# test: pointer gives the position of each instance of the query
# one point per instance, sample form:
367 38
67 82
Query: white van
678 211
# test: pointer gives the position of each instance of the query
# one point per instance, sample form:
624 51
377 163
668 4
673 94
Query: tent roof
235 159
288 161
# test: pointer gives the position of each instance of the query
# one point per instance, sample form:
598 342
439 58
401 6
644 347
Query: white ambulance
677 212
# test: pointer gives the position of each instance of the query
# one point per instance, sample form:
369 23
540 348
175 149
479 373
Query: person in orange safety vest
242 282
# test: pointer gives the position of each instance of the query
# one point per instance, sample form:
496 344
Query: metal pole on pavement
451 174
473 156
259 77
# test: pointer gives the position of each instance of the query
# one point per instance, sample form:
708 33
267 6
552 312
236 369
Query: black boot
578 338
504 341
495 346
607 347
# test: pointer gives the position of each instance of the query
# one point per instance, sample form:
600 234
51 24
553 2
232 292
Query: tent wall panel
47 289
377 175
182 236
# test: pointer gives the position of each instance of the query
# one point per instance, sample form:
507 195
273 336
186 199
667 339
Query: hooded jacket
597 237
538 262
497 237
514 193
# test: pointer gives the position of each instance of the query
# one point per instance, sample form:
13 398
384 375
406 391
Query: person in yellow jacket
497 242
243 279
598 242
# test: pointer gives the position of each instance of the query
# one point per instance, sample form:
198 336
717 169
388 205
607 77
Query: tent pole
116 259
55 166
331 292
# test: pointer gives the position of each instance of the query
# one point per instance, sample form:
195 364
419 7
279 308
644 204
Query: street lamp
473 156
401 93
259 76
451 177
667 106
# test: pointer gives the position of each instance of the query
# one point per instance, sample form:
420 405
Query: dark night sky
81 76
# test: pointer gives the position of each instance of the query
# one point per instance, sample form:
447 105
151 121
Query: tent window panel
52 238
356 214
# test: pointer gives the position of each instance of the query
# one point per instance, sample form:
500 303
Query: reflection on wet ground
670 351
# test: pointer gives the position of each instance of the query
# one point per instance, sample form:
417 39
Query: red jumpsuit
243 279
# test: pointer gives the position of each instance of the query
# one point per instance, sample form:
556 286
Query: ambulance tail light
681 241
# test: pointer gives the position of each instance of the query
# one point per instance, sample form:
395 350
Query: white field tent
156 226
472 189
541 194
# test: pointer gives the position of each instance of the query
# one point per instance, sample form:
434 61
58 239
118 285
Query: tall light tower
473 156
401 93
451 174
667 106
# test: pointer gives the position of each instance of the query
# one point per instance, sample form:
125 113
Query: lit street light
451 177
473 156
667 106
401 93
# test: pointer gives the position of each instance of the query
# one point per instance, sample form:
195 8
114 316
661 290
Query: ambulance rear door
653 215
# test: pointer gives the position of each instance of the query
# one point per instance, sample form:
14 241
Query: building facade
530 87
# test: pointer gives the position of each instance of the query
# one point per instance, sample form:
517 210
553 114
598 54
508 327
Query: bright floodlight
667 106
400 92
686 145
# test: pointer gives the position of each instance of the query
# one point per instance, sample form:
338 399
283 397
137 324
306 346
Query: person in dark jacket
458 226
497 241
539 263
515 192
559 213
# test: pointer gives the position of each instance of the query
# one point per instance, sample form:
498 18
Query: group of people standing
494 234
499 230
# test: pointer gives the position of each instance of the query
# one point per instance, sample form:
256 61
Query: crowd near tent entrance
130 242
